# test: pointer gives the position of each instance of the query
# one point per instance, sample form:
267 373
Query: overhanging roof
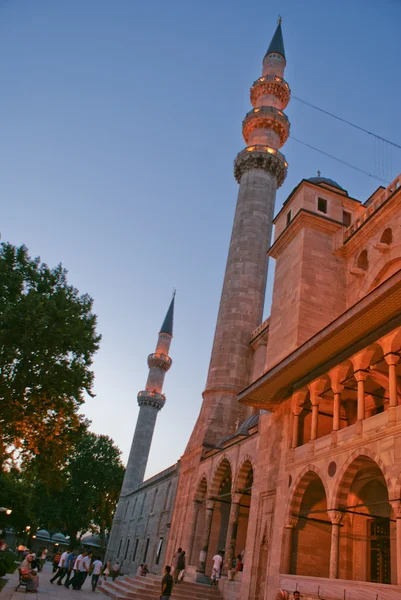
372 317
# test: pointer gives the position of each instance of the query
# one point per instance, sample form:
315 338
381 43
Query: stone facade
145 523
295 460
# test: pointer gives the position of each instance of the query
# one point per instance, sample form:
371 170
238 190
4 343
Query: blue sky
119 122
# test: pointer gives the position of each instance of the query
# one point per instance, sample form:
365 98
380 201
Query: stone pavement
47 590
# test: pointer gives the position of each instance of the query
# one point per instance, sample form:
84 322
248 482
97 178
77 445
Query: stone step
133 588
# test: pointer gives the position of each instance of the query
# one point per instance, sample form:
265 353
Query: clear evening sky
119 122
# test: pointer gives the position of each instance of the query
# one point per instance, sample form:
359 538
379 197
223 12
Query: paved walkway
47 590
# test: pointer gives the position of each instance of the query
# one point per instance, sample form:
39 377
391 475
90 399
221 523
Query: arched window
363 262
387 236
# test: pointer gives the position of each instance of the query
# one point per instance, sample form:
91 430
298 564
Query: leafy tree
47 341
16 494
93 476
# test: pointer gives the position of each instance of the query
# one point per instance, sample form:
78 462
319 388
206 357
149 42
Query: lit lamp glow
8 511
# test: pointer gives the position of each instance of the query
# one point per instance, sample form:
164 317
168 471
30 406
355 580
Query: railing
260 148
323 594
376 203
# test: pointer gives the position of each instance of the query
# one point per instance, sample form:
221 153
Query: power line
339 160
326 112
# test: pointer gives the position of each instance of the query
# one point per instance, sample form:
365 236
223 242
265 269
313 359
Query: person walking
216 569
167 584
176 561
181 567
115 571
107 570
61 568
84 569
68 566
43 558
74 581
97 569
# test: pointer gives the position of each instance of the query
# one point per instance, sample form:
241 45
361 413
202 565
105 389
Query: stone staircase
149 587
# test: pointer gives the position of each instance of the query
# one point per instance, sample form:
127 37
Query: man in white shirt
61 569
74 581
84 569
97 569
216 569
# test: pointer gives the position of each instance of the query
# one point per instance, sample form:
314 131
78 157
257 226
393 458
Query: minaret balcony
154 399
271 85
268 159
266 117
162 361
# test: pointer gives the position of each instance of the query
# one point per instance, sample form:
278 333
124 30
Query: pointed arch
201 488
306 476
356 463
223 469
245 468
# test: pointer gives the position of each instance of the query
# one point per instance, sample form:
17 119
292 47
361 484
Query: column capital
396 506
291 522
210 504
391 359
335 516
236 498
360 375
337 375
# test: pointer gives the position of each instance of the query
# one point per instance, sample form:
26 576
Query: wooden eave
366 321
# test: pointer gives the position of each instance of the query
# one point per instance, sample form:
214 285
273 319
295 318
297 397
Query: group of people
77 568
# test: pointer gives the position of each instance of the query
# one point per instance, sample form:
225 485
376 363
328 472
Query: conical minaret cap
277 43
167 326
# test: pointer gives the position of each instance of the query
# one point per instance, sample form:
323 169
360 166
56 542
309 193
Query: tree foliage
92 477
47 341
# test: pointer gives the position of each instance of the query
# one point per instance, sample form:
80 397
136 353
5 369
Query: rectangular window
288 218
136 549
119 548
146 550
322 205
159 550
126 550
346 218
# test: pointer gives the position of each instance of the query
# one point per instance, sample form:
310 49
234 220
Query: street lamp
8 511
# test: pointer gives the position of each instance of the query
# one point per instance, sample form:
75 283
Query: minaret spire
150 401
259 169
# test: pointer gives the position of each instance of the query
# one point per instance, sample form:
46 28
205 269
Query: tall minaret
259 169
150 401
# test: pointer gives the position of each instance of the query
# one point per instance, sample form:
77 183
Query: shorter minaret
150 401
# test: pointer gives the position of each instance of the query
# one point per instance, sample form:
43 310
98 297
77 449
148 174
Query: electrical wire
339 160
326 112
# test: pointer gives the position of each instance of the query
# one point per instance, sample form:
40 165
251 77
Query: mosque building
295 459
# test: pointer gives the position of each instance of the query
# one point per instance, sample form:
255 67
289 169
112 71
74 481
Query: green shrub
3 568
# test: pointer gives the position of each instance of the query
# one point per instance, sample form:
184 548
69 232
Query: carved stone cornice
162 361
271 85
261 157
266 117
154 399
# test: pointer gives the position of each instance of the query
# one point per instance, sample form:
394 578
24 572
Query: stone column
315 416
206 536
192 529
360 376
336 518
396 505
295 428
231 534
336 411
288 534
392 360
298 398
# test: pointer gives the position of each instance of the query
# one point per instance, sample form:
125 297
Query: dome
58 537
94 540
319 180
43 534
